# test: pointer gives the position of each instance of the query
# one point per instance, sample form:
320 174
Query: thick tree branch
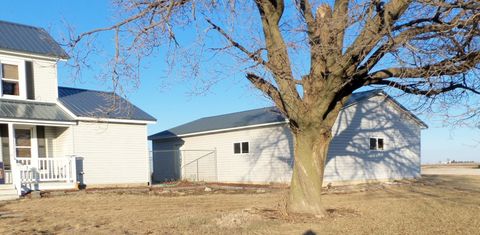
415 33
322 45
269 89
340 18
271 12
373 31
413 88
447 67
255 56
306 11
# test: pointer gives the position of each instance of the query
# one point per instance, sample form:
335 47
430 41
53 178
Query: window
10 80
240 148
376 144
245 147
23 142
236 148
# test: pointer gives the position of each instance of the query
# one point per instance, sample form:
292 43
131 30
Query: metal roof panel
29 39
100 104
30 110
245 118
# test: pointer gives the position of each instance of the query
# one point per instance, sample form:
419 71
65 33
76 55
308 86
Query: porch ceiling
31 110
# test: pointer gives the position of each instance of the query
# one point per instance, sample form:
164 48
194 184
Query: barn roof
249 118
28 39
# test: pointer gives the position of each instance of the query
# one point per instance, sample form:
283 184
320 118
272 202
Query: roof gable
28 39
255 117
100 104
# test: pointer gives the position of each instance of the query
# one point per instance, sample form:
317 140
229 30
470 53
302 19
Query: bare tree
428 48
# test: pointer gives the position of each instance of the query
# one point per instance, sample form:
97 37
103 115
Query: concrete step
8 192
6 186
9 197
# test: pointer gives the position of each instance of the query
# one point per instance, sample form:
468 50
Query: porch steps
8 192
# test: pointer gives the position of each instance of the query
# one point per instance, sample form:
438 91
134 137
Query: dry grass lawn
433 205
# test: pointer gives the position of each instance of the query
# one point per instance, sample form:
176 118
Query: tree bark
311 148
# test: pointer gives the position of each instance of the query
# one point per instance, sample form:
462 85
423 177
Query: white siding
113 154
350 158
45 80
270 157
44 77
59 141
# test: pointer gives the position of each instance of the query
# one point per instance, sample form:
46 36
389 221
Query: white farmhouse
375 139
56 137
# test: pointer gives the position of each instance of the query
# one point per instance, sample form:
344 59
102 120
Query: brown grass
433 205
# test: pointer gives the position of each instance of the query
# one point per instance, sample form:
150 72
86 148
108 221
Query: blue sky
170 99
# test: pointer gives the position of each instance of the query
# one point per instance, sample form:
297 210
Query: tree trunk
305 190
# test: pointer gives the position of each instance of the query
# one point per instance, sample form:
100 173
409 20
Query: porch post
34 148
16 177
73 172
11 146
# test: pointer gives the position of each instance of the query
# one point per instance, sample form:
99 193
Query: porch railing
31 172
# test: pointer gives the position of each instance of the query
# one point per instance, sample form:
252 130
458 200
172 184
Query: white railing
35 171
8 177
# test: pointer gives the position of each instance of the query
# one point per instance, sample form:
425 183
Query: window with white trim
241 147
377 144
10 79
12 76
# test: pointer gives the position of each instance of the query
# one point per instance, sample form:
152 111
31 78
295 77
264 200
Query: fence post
216 164
198 179
182 164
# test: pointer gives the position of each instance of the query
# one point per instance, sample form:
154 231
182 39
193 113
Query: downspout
73 140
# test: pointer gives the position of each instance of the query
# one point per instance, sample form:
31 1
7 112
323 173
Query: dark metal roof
29 39
231 120
246 118
29 110
100 104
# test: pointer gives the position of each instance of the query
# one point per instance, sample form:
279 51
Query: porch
29 157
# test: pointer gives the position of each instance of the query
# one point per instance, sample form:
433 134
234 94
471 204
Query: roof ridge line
86 89
20 24
373 91
244 111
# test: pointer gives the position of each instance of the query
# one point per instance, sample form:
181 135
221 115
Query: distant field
451 169
435 204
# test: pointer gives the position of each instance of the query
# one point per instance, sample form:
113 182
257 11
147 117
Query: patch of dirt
184 188
237 219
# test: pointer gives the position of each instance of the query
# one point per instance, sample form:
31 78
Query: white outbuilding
375 139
